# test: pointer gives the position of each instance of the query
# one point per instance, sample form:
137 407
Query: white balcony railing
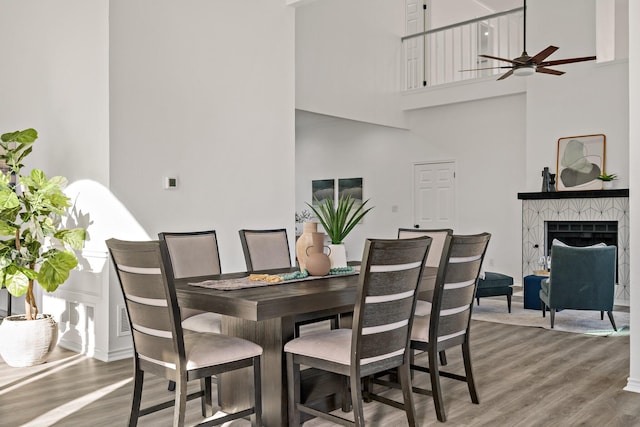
437 56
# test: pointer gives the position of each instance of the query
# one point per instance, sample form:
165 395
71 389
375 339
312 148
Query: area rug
576 321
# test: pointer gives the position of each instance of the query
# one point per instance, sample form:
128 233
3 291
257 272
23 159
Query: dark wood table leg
236 388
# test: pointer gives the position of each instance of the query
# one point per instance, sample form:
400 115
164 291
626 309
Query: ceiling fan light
525 70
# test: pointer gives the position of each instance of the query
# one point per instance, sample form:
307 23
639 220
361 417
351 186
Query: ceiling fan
525 65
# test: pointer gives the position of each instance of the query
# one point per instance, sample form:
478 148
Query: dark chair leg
543 308
356 401
613 322
257 393
407 393
180 404
509 303
602 315
443 358
293 390
138 380
478 299
436 390
205 401
553 316
466 355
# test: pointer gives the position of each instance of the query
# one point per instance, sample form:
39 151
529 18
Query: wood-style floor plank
525 377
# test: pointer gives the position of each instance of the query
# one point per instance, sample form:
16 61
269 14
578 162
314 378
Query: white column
633 382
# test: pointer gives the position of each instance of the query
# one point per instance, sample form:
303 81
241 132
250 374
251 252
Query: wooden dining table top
281 299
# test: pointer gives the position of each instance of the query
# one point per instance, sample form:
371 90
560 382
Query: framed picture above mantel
580 160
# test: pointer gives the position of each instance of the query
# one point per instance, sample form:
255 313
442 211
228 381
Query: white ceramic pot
607 185
27 342
338 256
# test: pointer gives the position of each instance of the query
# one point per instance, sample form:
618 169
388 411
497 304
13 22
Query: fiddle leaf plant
33 245
339 219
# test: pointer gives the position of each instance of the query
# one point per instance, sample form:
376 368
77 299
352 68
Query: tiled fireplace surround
597 205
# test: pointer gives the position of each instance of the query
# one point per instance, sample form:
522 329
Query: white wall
348 59
633 382
204 91
54 78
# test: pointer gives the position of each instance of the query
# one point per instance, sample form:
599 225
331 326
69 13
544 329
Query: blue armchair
580 279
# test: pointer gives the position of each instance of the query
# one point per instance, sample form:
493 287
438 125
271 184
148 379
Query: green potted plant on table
338 220
607 180
34 248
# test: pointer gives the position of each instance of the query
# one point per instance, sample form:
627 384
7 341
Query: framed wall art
351 187
580 161
322 189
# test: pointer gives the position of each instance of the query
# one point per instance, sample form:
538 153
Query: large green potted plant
338 220
34 247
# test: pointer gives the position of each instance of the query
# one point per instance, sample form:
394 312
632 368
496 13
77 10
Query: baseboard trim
633 385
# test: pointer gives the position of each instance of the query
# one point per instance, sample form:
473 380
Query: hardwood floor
525 376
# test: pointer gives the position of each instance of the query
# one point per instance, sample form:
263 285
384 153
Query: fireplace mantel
592 194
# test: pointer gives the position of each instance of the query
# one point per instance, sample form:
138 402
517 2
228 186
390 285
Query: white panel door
434 191
414 47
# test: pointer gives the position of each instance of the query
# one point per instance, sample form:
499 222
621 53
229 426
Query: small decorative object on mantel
607 180
546 179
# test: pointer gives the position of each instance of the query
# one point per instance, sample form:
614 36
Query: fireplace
581 233
577 218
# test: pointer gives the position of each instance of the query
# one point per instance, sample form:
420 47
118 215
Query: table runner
245 282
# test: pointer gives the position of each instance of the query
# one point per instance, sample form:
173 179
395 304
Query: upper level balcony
440 56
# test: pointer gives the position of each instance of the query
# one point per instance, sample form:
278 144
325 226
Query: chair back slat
192 253
151 303
149 317
453 296
148 286
389 277
265 249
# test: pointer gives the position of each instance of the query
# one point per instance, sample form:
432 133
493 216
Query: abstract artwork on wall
580 161
351 187
322 189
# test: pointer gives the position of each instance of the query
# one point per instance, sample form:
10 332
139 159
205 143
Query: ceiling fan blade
542 55
487 68
505 75
549 71
566 61
499 59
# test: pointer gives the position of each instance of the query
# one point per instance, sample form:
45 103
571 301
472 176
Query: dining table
266 315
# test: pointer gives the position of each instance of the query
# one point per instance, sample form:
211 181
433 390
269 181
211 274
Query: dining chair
193 254
448 324
160 347
390 273
265 249
437 258
269 250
